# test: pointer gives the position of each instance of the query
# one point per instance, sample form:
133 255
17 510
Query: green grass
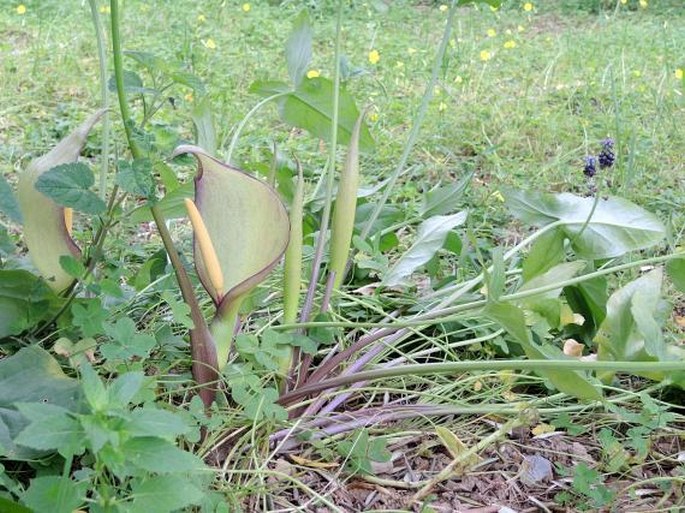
556 82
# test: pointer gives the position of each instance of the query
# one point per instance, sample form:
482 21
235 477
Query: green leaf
617 226
136 177
632 328
55 494
545 253
8 202
444 199
189 80
496 279
150 421
58 432
429 239
163 494
310 107
154 454
511 318
93 388
68 185
171 205
8 506
132 84
31 376
676 272
268 88
125 388
126 341
298 48
72 266
25 301
89 315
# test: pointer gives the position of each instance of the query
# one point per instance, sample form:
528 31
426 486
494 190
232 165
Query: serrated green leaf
60 432
72 266
125 387
32 376
163 494
68 185
150 421
429 239
93 388
154 454
136 177
298 48
55 494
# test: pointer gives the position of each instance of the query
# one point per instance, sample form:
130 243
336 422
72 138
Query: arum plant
241 231
48 225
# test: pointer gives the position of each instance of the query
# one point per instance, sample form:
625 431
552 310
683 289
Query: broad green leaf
589 298
310 107
632 328
93 388
429 239
69 185
161 456
148 60
136 177
45 230
512 319
25 300
545 253
676 272
556 274
189 80
132 84
163 494
55 494
268 88
298 48
249 230
617 226
31 376
125 387
8 202
444 199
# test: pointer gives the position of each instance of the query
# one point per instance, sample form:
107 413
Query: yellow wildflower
485 55
521 28
313 73
201 18
443 8
528 7
373 117
442 107
493 8
411 51
246 7
21 9
679 73
210 43
624 2
188 97
374 56
637 73
644 4
458 79
105 9
510 44
491 32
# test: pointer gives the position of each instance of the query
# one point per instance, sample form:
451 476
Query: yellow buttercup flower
485 55
373 117
443 8
201 18
644 4
374 56
105 9
246 7
521 28
491 32
510 44
528 7
21 9
210 43
313 73
624 2
679 73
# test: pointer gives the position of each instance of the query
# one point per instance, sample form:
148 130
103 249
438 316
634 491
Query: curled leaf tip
206 249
